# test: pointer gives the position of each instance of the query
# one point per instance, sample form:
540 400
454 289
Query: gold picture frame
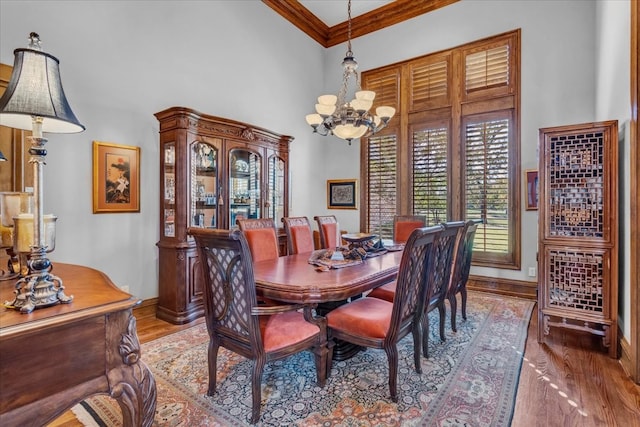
342 194
531 189
116 178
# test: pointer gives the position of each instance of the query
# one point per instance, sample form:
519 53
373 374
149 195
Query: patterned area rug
470 379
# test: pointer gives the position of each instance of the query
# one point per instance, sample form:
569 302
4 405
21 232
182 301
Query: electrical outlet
532 272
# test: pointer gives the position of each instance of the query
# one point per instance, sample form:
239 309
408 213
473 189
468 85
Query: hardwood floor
568 381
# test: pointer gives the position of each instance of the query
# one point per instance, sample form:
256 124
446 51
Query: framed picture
531 183
342 194
116 178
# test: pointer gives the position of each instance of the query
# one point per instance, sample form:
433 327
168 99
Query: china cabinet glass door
244 185
204 185
276 190
169 190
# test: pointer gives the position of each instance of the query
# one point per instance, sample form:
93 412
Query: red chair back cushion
330 232
263 243
302 239
404 229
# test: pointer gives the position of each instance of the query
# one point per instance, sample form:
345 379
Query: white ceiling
333 12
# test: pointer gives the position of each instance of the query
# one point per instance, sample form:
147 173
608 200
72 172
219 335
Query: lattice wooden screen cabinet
578 231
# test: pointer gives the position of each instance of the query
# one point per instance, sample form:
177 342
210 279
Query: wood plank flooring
568 381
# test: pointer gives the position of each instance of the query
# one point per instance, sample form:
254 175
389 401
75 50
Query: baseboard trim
517 288
147 307
625 356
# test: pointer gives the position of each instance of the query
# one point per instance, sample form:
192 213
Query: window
452 151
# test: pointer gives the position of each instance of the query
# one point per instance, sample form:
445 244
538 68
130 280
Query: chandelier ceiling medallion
349 120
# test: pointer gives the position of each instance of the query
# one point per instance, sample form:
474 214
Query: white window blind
382 188
430 178
487 183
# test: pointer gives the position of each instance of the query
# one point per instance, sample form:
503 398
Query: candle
14 203
23 237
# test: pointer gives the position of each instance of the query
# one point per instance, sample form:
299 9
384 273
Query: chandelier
349 120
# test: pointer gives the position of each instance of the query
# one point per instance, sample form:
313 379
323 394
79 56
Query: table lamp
34 100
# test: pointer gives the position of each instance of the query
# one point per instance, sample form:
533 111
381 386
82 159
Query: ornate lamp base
38 289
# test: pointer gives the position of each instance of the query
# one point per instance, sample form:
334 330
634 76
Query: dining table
293 279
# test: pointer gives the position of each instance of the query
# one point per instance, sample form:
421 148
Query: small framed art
531 183
116 178
342 194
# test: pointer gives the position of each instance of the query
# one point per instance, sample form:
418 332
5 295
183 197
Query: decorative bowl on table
358 237
369 242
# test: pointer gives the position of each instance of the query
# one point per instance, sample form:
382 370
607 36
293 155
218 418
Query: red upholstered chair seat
385 292
368 317
285 329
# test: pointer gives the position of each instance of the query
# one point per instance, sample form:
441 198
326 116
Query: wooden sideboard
55 357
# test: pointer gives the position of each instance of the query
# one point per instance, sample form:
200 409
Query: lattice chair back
229 292
461 268
413 273
299 234
440 276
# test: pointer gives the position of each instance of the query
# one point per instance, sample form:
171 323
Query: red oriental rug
471 379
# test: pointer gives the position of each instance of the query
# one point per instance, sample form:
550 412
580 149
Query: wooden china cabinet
212 172
578 231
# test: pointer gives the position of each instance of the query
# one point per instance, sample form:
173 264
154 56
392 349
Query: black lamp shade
35 89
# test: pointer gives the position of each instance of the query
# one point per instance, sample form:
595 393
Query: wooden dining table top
292 279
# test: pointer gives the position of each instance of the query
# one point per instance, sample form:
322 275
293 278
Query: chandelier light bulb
327 99
366 95
385 113
313 119
325 110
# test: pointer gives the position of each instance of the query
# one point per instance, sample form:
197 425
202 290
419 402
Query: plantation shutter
429 86
430 178
386 85
487 183
381 196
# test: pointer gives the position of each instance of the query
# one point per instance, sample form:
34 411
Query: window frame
457 108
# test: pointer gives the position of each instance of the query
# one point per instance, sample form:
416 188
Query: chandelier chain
349 52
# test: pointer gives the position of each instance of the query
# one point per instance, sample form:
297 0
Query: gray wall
123 61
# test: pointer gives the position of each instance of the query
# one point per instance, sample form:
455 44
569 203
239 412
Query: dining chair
460 273
329 231
376 323
299 234
236 322
403 225
262 237
440 276
437 284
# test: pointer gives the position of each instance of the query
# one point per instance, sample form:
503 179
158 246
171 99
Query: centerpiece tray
358 237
